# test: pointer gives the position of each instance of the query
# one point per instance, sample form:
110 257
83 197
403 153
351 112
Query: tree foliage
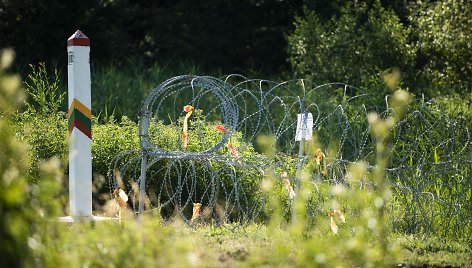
444 39
232 35
429 41
329 41
351 46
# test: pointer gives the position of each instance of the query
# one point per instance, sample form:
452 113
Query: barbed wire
223 165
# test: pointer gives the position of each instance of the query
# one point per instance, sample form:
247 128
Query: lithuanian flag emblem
80 117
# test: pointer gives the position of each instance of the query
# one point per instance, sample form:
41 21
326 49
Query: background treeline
347 41
232 35
430 41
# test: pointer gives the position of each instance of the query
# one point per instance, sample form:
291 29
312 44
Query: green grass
155 244
418 251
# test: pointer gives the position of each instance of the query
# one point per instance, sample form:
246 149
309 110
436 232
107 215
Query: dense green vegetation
232 35
40 131
325 40
416 52
428 45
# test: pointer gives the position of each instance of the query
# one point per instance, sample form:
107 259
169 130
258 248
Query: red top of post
78 39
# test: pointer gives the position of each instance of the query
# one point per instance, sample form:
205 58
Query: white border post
80 126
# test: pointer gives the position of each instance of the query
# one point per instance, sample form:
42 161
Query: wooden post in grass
80 126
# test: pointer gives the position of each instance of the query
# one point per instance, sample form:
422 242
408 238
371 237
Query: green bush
111 139
25 209
46 137
443 31
226 174
15 217
350 46
428 40
46 96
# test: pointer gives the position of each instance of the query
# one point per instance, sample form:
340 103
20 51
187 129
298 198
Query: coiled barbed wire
430 156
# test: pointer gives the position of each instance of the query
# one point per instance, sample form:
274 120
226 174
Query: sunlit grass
365 239
172 244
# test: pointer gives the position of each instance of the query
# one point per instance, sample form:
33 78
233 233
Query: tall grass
120 90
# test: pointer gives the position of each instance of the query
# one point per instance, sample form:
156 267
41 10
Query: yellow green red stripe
80 117
81 107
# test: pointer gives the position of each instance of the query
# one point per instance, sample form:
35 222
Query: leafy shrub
443 30
167 175
111 139
351 46
46 137
46 95
25 209
15 219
